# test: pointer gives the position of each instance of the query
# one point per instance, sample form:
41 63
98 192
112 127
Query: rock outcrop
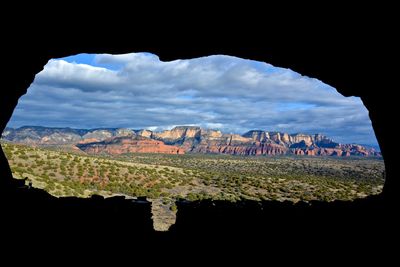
39 135
189 139
258 142
129 144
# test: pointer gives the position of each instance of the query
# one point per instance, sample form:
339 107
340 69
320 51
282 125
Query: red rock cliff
121 145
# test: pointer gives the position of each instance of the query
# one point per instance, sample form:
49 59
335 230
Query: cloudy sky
220 92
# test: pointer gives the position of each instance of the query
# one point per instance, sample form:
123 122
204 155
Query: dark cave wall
351 57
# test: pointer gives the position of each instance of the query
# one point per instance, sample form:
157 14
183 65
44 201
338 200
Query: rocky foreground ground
164 178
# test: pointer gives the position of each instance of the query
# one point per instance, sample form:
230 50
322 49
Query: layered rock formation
129 144
257 142
55 136
190 139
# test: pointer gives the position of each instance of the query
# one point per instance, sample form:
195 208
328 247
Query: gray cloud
229 93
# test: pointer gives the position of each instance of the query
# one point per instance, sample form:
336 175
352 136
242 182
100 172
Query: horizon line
374 145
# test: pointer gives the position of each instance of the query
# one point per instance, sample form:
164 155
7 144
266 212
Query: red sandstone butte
121 145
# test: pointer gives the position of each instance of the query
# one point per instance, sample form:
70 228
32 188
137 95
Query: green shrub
173 208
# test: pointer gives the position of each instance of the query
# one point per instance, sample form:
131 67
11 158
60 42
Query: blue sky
90 59
231 94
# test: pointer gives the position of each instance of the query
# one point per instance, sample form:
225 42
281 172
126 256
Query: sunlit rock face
187 139
216 127
123 145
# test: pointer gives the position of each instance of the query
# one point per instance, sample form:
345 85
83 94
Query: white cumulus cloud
223 92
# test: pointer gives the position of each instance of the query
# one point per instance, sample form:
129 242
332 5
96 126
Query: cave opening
72 123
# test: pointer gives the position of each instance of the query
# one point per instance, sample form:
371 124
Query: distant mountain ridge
185 139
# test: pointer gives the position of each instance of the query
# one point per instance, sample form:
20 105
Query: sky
227 93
